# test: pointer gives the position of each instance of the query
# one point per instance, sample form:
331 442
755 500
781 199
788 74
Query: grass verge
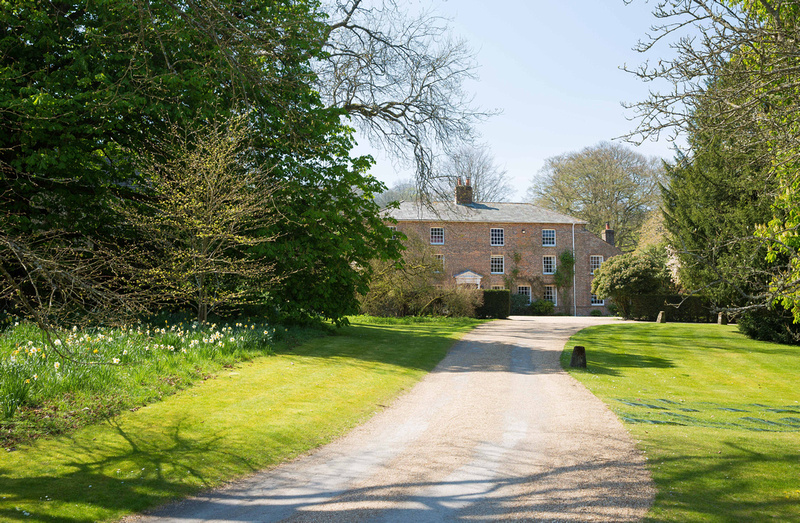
717 415
254 415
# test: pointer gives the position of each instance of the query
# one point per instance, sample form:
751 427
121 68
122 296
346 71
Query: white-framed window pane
497 287
440 262
549 237
594 263
496 265
550 293
597 301
548 264
496 237
394 230
437 235
525 290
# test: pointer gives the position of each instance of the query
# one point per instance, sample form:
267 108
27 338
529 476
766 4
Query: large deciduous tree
400 76
604 183
87 88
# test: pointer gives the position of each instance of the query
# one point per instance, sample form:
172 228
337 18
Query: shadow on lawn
719 487
142 476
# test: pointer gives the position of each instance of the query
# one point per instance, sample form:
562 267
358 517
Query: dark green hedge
496 304
775 324
692 309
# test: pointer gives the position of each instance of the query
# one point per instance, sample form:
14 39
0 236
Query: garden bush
770 325
496 304
520 306
542 308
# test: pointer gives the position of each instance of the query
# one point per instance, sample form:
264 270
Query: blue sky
552 68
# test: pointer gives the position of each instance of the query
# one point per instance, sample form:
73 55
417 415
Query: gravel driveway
497 431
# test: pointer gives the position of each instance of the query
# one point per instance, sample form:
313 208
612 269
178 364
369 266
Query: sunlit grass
717 414
244 418
82 376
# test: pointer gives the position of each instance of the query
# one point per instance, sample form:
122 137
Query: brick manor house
516 245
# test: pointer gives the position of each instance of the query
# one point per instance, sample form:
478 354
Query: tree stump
578 357
662 317
722 319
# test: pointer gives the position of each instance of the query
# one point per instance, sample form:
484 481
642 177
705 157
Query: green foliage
564 276
92 87
520 304
207 203
326 238
713 204
627 275
415 286
542 308
774 324
496 304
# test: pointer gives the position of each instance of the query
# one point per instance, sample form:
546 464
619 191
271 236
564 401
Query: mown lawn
717 415
245 418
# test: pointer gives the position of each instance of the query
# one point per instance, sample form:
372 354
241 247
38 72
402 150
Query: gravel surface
497 431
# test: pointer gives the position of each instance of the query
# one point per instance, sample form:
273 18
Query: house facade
513 246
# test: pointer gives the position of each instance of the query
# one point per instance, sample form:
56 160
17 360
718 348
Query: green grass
717 415
252 416
88 375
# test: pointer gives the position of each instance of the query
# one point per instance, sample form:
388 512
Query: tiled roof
480 212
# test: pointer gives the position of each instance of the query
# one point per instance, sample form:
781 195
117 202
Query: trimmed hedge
496 304
692 309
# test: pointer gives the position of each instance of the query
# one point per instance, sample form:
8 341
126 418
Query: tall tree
206 205
743 68
488 180
604 183
713 203
88 86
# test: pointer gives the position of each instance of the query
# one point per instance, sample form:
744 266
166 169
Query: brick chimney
608 234
463 192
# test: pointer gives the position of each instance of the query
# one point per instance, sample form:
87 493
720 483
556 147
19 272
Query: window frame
551 289
492 260
592 257
596 302
544 264
492 241
544 243
437 235
439 258
529 294
498 287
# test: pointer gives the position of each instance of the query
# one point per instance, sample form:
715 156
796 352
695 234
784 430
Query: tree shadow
90 483
575 492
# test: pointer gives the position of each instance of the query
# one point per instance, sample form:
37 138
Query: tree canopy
742 69
603 183
89 89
